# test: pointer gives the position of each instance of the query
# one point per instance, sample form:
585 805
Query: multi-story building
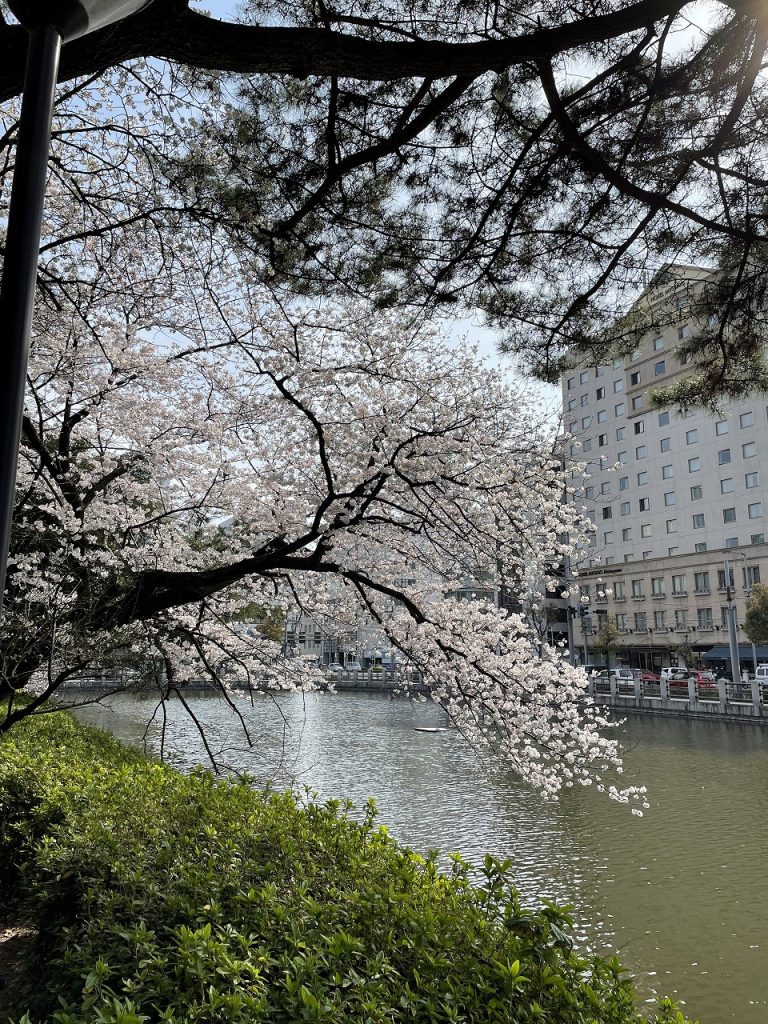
677 501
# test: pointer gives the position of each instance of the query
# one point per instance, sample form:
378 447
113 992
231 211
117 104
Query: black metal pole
17 294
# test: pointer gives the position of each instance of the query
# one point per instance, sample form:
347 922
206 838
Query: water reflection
680 892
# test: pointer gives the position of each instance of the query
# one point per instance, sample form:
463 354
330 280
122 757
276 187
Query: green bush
160 897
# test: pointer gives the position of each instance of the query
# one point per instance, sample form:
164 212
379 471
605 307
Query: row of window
704 620
701 585
754 511
727 486
683 332
746 420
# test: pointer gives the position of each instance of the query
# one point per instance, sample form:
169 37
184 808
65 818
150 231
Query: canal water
680 893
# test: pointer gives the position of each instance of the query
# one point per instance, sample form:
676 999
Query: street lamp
49 22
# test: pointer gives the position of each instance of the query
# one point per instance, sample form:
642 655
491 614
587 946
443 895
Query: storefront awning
721 652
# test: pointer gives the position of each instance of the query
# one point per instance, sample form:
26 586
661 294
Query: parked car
353 666
622 675
334 666
648 677
761 673
675 673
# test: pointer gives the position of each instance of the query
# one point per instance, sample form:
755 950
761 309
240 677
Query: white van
623 675
761 672
677 673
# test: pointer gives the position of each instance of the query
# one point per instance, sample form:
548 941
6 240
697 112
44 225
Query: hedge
167 898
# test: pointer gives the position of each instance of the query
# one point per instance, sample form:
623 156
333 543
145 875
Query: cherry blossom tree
194 444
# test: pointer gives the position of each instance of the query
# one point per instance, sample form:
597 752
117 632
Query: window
731 542
572 405
755 510
620 433
629 558
669 498
746 420
691 436
619 409
726 486
701 582
608 537
665 444
671 526
641 451
589 492
600 394
667 472
587 445
704 618
658 587
757 538
607 512
622 457
663 419
571 383
659 368
621 622
683 332
640 427
696 493
638 402
618 362
700 547
722 583
721 427
618 385
583 376
584 399
673 551
646 530
749 450
724 456
678 584
602 440
698 521
586 422
626 533
641 621
752 480
637 588
599 371
694 465
647 554
623 483
642 478
751 575
658 343
605 487
680 615
625 508
634 378
659 620
602 416
724 618
619 590
645 504
729 515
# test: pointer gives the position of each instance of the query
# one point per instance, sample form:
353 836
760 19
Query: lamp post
49 23
733 642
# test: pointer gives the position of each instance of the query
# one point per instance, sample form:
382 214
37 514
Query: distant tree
607 640
540 166
756 619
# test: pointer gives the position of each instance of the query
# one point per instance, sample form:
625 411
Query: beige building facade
676 501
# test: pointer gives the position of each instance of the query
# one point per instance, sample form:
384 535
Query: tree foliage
756 619
538 167
194 444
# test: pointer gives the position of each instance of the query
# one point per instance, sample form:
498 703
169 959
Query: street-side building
676 501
